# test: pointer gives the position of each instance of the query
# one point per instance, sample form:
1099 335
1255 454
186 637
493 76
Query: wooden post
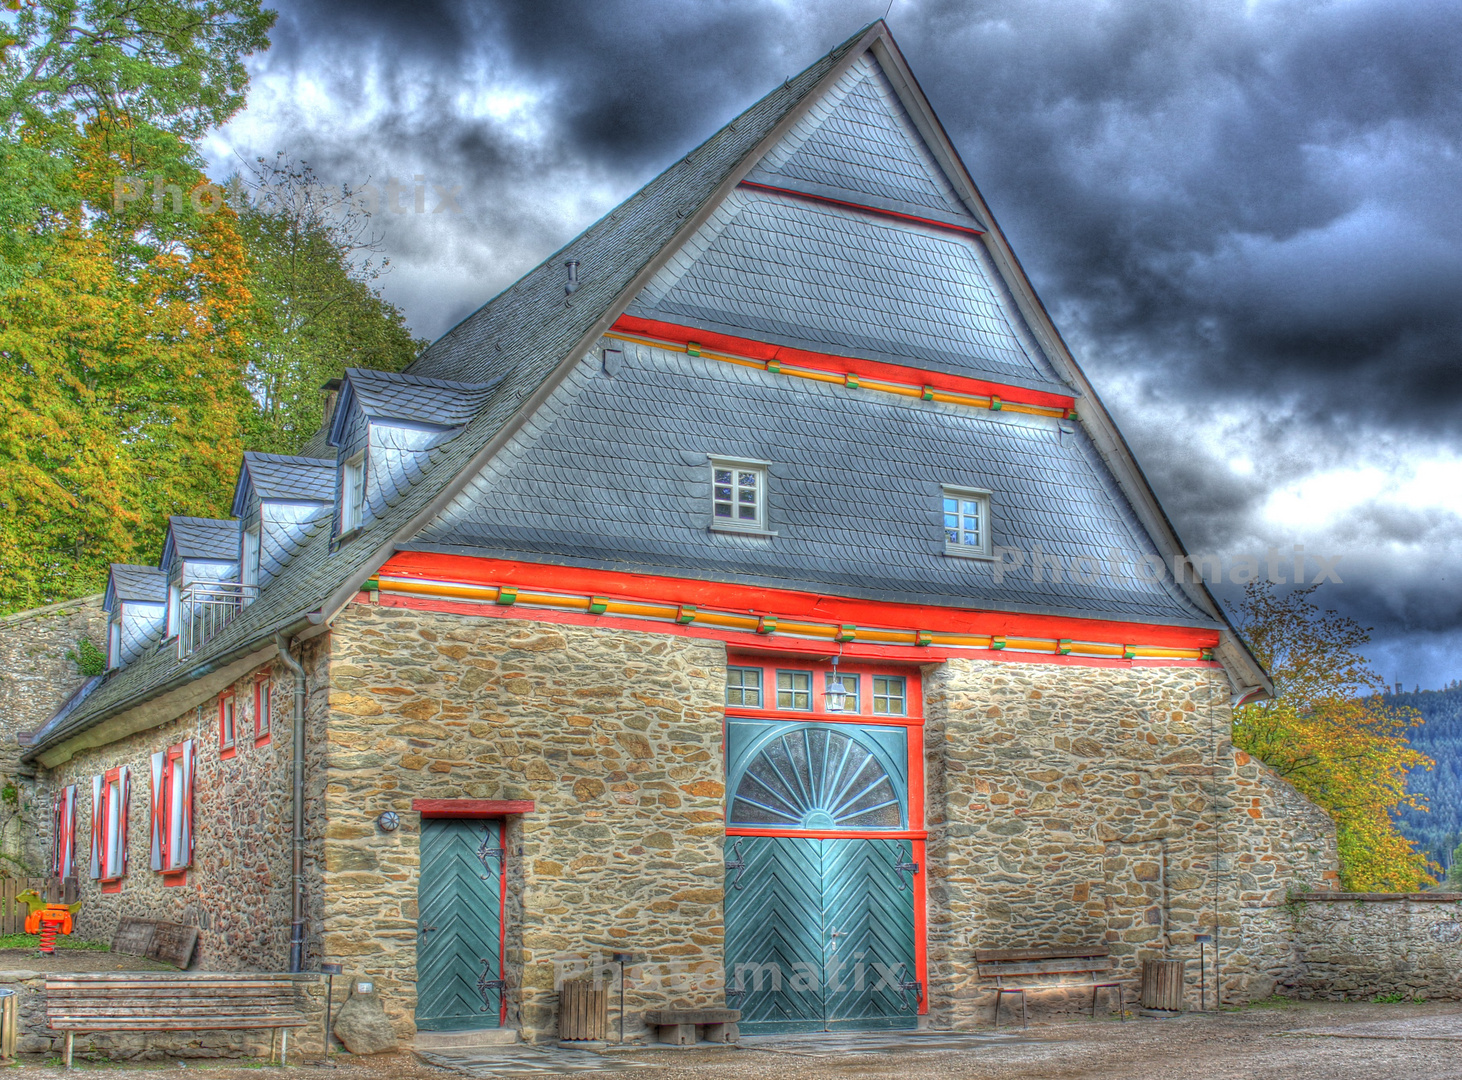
69 1036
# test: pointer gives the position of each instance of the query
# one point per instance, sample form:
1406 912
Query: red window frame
263 710
104 842
228 725
63 825
171 768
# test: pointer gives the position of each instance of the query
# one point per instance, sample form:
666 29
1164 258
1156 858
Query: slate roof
288 478
146 584
521 336
203 538
395 396
614 473
778 268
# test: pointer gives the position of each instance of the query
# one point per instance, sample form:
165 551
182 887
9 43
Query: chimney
332 395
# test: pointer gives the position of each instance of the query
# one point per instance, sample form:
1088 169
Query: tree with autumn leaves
142 347
1330 732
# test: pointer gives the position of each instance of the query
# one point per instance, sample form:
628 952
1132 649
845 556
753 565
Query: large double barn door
820 933
459 981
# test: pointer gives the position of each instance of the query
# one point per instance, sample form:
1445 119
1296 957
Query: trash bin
9 1023
1162 985
583 1011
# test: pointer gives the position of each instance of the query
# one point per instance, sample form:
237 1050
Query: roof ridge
418 380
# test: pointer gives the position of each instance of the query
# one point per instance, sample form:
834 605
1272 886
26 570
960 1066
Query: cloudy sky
1243 216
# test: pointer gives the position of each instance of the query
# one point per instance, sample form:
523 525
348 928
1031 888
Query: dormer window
114 643
967 523
738 495
250 568
352 494
175 605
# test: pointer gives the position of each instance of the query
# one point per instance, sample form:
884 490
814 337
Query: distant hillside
1440 738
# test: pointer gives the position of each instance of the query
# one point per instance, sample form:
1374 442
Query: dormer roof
410 398
284 478
211 539
144 584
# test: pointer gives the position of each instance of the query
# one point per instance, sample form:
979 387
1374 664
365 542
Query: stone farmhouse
757 588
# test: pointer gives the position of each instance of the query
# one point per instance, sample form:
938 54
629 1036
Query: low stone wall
1360 945
35 1037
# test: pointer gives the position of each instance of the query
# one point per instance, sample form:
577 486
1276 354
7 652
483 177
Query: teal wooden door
459 904
820 934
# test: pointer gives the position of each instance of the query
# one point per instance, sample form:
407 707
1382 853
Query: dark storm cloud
1243 216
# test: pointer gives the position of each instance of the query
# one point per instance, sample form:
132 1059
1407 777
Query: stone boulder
362 1026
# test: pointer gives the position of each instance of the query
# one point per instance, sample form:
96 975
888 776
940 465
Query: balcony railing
206 607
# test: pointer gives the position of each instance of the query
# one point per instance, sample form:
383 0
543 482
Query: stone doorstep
450 1040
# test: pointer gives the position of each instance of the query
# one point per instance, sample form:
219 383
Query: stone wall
36 678
237 891
1100 805
616 738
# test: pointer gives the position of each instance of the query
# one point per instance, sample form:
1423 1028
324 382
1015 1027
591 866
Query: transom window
889 695
967 523
743 687
794 690
738 495
849 683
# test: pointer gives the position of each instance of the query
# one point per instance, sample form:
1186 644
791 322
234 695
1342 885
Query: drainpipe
297 867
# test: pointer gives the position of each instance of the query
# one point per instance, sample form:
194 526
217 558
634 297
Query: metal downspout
297 865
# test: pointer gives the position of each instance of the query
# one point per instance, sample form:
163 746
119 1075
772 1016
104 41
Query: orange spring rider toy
49 921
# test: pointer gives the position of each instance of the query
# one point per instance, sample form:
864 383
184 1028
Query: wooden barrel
583 1012
1162 985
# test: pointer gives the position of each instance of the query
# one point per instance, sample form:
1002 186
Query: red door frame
485 809
912 722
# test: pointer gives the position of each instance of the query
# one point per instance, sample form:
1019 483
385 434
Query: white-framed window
738 495
967 523
352 494
114 640
175 609
249 565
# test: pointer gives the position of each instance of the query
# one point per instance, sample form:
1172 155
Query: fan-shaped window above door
817 776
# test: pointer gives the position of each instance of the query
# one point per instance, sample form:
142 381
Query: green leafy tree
1330 733
313 267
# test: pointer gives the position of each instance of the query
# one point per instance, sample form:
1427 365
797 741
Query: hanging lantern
836 694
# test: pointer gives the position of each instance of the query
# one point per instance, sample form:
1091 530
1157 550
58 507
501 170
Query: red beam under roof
792 192
873 369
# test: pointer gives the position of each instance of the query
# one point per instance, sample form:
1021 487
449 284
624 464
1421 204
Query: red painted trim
921 921
471 808
873 369
172 879
112 886
736 712
786 603
263 686
969 230
833 834
897 653
227 747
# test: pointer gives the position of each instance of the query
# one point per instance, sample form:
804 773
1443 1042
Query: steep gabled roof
526 338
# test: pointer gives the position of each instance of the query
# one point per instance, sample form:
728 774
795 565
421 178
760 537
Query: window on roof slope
738 495
249 570
352 494
114 640
175 609
967 523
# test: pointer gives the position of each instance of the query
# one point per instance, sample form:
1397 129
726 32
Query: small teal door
820 934
459 936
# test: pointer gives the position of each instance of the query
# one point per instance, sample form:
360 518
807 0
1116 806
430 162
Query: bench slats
1050 967
1069 952
237 1023
172 1001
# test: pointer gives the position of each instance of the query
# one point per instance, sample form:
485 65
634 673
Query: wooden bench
1093 961
174 1001
678 1027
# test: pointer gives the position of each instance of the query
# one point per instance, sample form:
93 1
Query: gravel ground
1361 1042
76 960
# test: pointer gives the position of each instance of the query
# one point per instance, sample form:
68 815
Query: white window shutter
68 832
184 857
125 784
98 823
159 807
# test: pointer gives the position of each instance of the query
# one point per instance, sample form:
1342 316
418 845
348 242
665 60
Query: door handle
425 930
838 933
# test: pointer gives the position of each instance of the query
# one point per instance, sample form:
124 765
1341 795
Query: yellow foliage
1346 752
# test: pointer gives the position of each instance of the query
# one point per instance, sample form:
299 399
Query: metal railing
206 607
